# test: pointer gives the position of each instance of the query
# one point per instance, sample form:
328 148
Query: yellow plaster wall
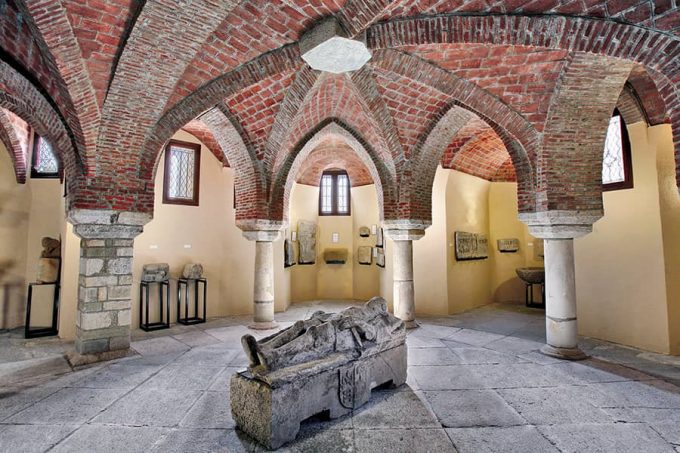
467 209
334 281
621 289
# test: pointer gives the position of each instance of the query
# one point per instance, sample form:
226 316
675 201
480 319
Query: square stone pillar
104 282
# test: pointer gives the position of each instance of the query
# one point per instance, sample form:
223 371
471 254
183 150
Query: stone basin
534 275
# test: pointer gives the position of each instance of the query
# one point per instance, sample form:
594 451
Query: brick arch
333 154
10 139
55 36
202 132
249 180
21 98
657 51
569 171
630 106
484 155
335 97
282 60
644 89
518 135
336 129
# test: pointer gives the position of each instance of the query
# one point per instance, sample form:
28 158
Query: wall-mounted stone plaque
288 254
471 246
380 257
307 242
364 232
364 255
335 255
508 245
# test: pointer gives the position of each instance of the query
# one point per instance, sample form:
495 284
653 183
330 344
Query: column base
76 359
263 325
563 353
411 324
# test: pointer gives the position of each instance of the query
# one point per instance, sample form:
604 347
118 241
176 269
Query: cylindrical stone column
263 315
263 233
105 282
560 309
403 233
558 230
404 294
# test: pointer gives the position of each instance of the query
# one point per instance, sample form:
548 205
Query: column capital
107 224
261 230
560 224
405 230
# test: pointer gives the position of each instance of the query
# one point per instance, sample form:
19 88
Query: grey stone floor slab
513 439
432 356
619 438
478 374
110 439
68 406
150 407
472 408
117 376
212 410
402 441
32 438
554 405
382 409
184 377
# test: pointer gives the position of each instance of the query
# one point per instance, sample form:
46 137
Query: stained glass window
616 166
181 173
45 162
334 193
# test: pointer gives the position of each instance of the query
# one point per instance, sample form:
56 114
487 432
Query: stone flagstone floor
476 384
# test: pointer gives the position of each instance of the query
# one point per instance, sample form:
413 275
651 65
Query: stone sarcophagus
326 364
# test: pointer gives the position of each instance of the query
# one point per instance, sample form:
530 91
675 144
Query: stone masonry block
87 294
117 305
91 266
124 317
124 251
119 266
120 292
96 320
109 280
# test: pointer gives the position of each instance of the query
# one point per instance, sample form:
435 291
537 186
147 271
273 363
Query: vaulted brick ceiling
120 77
333 154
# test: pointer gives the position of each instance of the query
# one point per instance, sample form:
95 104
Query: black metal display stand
35 332
529 296
144 289
184 283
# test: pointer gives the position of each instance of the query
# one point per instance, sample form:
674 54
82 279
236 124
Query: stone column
263 233
105 282
403 234
558 229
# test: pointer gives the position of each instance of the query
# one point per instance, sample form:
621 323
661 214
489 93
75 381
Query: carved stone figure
307 241
156 272
192 271
327 363
51 248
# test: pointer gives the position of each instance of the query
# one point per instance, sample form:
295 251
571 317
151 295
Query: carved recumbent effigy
328 364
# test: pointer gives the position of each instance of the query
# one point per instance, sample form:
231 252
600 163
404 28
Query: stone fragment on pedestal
192 271
48 270
155 272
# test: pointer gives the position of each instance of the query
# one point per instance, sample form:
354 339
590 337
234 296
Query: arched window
617 168
44 162
334 193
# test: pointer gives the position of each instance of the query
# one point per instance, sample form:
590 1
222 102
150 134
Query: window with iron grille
45 163
182 173
617 169
334 193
